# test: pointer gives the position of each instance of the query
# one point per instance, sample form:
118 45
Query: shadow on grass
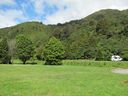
28 63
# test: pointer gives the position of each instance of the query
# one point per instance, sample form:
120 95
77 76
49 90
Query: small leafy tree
25 48
53 52
4 52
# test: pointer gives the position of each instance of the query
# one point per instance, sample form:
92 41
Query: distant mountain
96 36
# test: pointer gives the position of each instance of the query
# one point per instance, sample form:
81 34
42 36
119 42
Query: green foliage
81 38
125 31
125 55
53 52
5 58
25 48
102 27
39 55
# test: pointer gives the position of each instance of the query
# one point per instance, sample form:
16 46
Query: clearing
66 80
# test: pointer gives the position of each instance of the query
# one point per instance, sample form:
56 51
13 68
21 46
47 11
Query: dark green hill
37 32
96 36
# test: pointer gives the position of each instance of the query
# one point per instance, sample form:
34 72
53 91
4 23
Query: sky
13 12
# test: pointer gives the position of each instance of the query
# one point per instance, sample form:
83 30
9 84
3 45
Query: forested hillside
97 36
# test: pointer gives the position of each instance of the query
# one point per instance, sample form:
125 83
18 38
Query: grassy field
66 80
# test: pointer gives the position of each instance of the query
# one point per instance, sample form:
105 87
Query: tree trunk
10 62
24 62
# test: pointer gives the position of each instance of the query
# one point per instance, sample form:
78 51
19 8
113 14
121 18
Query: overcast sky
13 12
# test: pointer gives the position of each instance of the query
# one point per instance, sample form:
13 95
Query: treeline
25 50
98 36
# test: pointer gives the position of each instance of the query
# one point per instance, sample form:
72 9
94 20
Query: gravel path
120 71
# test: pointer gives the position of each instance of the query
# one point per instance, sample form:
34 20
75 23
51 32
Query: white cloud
9 18
80 8
7 2
75 9
38 4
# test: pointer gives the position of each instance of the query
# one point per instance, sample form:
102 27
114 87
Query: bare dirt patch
120 71
126 82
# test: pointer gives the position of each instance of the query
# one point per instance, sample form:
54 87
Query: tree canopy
53 52
4 52
25 48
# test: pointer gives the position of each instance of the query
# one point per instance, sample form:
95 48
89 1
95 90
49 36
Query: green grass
66 80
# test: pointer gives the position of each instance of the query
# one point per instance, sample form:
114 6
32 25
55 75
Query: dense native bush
53 52
39 55
125 55
95 37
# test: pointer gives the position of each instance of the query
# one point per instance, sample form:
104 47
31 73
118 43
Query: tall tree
25 48
12 47
4 52
53 52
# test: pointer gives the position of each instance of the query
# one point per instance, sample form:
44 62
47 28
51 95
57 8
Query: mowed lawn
65 80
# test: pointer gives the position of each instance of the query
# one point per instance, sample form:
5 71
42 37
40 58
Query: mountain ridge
68 21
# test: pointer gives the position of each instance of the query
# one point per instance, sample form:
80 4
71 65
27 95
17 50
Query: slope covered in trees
96 36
